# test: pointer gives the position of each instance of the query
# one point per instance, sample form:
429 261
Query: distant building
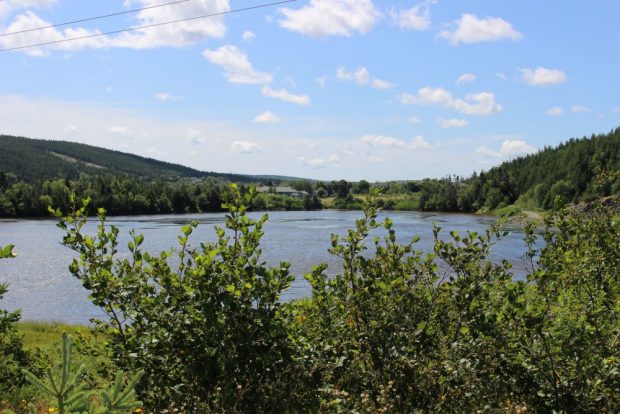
287 191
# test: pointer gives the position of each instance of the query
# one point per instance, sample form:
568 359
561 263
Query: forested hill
36 159
579 170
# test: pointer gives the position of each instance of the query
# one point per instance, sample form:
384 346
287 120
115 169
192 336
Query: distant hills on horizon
39 159
32 160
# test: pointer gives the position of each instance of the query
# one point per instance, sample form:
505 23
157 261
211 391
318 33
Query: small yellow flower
51 410
137 410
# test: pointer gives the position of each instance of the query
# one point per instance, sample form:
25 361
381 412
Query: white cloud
362 77
29 19
453 123
487 152
236 65
195 136
322 81
316 163
245 147
121 130
175 35
413 120
71 129
248 35
322 18
482 103
11 6
509 148
616 109
163 96
543 76
471 29
416 18
286 96
556 110
381 84
266 117
501 76
417 143
374 159
580 108
466 78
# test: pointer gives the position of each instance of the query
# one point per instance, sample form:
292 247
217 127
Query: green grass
408 205
399 202
46 335
508 211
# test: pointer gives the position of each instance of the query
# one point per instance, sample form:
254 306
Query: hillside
36 159
579 170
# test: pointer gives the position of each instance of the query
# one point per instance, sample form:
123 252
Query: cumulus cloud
322 81
580 108
195 136
285 96
245 147
71 129
482 103
417 143
316 163
453 123
175 35
416 18
322 18
237 67
248 35
11 6
163 96
29 19
266 117
509 148
555 111
362 77
466 78
471 29
121 130
543 76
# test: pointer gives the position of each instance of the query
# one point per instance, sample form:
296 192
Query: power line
148 26
93 18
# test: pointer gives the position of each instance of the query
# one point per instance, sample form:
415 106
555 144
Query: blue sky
329 89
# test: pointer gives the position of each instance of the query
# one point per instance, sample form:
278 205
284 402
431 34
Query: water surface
43 288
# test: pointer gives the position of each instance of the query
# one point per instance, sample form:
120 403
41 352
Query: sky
324 89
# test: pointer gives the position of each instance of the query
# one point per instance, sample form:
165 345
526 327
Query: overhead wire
259 6
87 19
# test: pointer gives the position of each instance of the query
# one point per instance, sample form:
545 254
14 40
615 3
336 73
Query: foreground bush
207 330
13 356
396 331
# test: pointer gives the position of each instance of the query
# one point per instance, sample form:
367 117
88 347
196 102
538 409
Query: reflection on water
43 288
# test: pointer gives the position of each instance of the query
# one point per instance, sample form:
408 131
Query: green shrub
13 356
395 330
206 329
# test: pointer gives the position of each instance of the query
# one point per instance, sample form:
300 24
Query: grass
507 211
399 202
46 335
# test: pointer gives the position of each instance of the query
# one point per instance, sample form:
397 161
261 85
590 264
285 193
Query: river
41 285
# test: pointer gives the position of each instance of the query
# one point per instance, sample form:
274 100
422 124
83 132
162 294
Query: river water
41 285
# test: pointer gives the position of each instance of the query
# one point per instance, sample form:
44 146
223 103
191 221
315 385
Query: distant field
405 202
46 335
